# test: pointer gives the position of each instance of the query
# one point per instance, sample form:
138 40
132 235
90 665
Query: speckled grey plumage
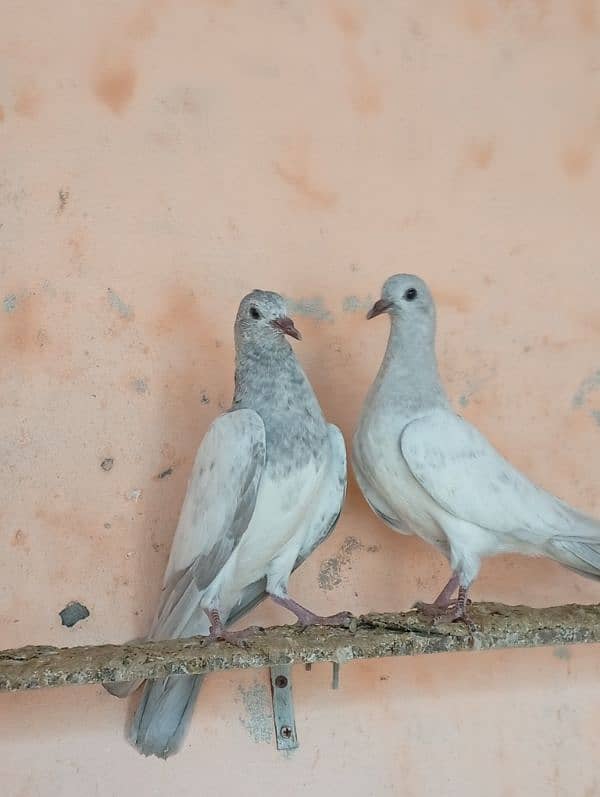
273 434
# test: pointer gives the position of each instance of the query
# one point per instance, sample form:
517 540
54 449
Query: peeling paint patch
331 570
589 384
563 653
134 495
140 386
9 303
310 307
73 613
115 301
354 304
259 714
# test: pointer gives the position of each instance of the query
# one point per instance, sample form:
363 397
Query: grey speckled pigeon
425 470
266 489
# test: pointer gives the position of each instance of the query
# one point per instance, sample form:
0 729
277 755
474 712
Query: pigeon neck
408 377
268 375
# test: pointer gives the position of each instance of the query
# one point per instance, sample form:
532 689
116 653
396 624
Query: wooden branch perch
372 636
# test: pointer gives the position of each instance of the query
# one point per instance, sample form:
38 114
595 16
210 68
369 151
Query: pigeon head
406 297
262 316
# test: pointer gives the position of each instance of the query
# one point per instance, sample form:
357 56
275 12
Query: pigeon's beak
286 325
380 306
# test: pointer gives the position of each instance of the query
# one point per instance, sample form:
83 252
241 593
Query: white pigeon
425 470
266 489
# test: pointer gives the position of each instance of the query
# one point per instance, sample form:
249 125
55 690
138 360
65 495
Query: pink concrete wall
159 159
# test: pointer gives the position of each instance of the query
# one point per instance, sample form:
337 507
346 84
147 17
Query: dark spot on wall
165 473
19 540
114 85
204 399
107 464
63 198
73 613
140 385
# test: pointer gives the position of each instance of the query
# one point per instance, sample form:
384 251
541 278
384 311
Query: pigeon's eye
410 295
254 313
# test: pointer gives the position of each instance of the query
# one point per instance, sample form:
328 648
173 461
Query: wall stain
9 303
354 304
365 91
473 385
21 329
480 153
313 307
331 570
586 15
142 23
140 385
295 170
347 20
114 84
576 159
580 399
258 720
589 384
115 301
27 102
459 302
475 16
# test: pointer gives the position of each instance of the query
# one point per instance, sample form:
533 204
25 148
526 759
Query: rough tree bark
370 636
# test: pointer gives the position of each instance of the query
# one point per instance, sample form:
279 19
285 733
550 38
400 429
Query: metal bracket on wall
283 708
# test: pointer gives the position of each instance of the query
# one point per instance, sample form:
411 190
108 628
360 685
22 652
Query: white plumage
426 470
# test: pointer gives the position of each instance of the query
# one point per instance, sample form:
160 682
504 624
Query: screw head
286 732
281 681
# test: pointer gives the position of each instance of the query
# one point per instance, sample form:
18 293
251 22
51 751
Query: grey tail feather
579 554
164 713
